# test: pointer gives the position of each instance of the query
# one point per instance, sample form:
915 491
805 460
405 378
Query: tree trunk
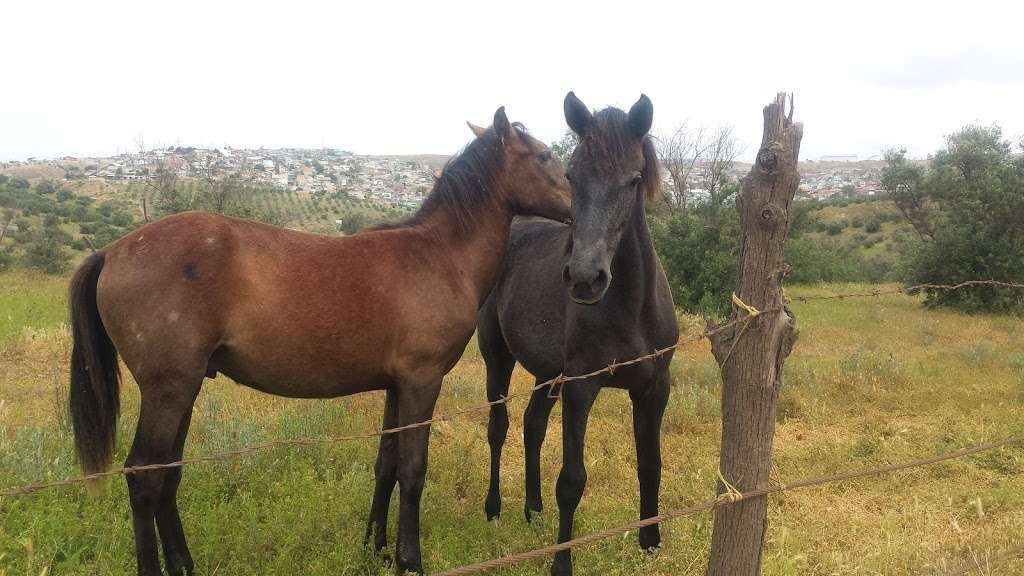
751 356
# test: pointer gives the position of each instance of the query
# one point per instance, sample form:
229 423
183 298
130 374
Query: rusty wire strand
909 290
560 380
726 499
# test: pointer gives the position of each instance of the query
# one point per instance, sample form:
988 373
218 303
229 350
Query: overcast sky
87 78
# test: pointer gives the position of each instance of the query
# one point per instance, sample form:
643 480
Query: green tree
698 250
46 252
564 147
354 222
967 205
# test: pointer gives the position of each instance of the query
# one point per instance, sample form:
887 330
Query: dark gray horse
572 299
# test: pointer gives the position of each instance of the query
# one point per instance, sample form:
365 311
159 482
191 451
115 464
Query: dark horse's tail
95 376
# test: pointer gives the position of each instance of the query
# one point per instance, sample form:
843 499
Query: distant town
400 181
395 180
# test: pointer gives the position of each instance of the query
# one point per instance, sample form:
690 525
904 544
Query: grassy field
871 381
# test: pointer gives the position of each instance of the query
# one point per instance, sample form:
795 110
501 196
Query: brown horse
299 315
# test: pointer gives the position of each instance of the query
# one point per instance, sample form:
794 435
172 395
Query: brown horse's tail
95 376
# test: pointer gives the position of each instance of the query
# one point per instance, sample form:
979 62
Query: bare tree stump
750 355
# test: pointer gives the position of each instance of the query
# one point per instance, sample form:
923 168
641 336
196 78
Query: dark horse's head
612 169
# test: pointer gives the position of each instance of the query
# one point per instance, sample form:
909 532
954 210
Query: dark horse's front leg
535 427
385 475
416 401
649 403
577 399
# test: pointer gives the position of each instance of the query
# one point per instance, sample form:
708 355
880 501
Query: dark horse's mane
608 143
467 185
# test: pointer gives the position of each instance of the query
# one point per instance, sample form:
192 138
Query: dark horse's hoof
380 540
562 565
492 507
411 569
180 564
650 538
532 508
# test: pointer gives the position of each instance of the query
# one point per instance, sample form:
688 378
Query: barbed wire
312 441
730 497
557 381
909 290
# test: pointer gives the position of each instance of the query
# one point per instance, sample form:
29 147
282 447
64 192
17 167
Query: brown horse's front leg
577 399
415 404
386 475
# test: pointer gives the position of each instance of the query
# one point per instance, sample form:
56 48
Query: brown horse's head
612 170
531 180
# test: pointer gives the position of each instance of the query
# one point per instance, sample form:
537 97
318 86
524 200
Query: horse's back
529 298
266 305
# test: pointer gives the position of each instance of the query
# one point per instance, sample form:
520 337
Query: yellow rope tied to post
750 310
730 495
751 314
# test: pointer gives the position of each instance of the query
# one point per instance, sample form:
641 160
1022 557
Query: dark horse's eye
637 179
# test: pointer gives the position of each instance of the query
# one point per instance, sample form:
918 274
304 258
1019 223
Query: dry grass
871 381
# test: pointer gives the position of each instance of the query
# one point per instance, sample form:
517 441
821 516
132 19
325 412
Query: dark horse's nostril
565 274
601 280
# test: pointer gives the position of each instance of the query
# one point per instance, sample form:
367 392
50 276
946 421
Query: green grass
29 302
871 381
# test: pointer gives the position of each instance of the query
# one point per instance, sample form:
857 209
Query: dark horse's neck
635 266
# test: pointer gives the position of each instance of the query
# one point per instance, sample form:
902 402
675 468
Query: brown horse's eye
568 177
545 156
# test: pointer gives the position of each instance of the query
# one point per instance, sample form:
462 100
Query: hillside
859 239
53 226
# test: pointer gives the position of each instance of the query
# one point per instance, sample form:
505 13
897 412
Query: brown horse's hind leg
386 475
168 521
165 403
415 404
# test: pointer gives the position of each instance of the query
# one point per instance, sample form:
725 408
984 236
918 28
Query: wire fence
729 497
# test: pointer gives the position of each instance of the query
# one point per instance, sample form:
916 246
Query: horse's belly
299 373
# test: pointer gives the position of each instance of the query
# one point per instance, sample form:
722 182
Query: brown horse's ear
502 127
641 115
577 115
477 131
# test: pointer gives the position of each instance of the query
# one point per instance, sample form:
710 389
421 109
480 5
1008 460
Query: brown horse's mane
467 184
608 143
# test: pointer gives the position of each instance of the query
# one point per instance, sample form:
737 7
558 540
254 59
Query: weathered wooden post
750 354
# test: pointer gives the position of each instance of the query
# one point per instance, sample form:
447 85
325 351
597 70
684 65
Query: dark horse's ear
641 115
577 115
502 127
